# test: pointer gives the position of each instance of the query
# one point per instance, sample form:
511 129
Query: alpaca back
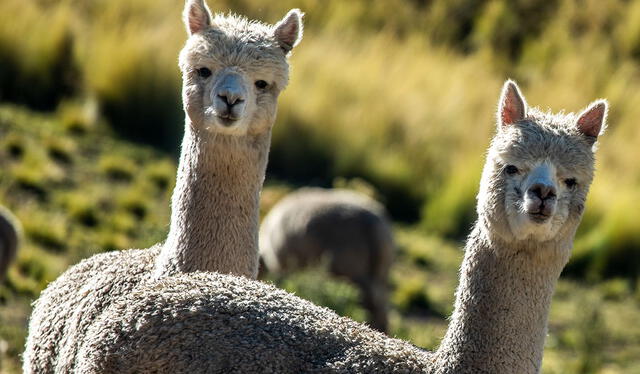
349 228
215 323
69 305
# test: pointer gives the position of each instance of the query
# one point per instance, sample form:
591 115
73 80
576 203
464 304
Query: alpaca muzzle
228 99
541 195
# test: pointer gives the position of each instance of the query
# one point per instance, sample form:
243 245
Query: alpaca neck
502 303
215 205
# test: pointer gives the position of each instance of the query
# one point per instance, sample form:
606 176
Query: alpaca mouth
226 119
539 217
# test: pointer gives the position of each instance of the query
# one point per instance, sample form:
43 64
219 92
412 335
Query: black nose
542 191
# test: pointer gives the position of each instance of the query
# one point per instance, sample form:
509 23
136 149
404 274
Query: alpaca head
234 69
539 169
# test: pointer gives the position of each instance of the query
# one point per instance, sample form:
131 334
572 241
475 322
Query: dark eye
570 182
511 170
261 84
204 72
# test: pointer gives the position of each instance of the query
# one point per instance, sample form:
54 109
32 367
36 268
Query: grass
62 188
395 99
65 206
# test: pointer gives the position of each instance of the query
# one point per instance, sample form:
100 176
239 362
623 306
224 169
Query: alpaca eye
261 84
570 182
204 72
511 170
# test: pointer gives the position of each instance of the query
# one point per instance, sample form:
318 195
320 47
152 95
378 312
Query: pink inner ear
590 122
198 18
288 31
512 108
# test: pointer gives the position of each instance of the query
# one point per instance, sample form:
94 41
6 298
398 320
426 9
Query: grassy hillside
399 94
77 191
404 89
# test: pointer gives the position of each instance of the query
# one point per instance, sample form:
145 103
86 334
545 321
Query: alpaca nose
542 191
230 89
230 97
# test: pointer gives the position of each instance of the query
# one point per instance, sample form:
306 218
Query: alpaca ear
196 16
288 32
512 106
592 121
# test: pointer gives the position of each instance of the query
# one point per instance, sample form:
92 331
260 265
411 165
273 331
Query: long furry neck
215 205
502 304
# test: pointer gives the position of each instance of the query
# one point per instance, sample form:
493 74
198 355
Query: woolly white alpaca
233 71
532 194
9 240
349 229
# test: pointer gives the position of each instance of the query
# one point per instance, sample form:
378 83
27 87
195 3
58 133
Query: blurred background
393 98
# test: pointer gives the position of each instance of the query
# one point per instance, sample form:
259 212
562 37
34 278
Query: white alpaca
10 231
233 71
532 194
349 229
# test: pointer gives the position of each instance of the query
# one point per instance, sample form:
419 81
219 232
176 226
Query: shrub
118 168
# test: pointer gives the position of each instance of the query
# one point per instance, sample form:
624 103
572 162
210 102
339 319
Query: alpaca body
226 215
349 230
70 304
532 194
214 220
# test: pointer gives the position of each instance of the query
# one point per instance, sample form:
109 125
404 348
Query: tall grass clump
139 99
38 62
140 94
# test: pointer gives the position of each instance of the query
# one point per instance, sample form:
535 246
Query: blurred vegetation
399 95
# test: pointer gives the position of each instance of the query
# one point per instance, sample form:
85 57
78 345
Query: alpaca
233 71
532 194
9 240
350 229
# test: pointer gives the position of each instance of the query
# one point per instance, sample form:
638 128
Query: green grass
67 206
75 197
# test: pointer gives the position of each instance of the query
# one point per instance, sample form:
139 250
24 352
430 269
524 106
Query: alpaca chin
224 126
524 227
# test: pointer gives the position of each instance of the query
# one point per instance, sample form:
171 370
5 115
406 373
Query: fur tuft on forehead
549 125
560 124
244 30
